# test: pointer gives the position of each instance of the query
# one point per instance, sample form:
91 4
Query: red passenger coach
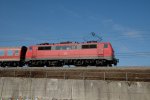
12 56
71 53
9 56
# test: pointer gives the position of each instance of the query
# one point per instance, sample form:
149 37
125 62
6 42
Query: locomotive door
34 52
100 49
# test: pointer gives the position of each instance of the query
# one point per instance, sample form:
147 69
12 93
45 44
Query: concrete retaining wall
59 89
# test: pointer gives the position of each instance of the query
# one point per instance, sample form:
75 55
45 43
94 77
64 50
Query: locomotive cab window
91 46
2 53
105 45
44 48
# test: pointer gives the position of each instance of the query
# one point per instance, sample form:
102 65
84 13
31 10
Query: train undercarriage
10 63
59 63
76 62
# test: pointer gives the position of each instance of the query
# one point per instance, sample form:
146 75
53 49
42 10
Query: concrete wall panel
59 89
15 87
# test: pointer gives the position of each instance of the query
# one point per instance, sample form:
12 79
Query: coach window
16 52
9 53
2 53
105 45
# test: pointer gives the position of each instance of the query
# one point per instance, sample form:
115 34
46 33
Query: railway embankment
33 84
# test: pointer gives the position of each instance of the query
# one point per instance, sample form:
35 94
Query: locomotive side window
85 46
89 46
58 48
93 46
9 53
105 45
44 48
2 52
74 47
65 47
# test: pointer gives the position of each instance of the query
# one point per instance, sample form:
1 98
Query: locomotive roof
71 43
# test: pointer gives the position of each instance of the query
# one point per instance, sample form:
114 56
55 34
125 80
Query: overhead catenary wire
112 37
121 37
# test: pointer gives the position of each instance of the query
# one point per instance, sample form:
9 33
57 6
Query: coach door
100 48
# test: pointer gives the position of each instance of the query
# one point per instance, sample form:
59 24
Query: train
91 53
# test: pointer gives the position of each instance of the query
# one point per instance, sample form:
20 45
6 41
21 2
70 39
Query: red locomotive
91 53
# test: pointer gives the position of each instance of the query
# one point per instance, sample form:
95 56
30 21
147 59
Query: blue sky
124 23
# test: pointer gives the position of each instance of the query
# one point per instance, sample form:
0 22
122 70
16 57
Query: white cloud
124 48
123 35
134 34
125 31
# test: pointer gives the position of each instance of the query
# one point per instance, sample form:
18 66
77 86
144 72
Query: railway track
85 73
